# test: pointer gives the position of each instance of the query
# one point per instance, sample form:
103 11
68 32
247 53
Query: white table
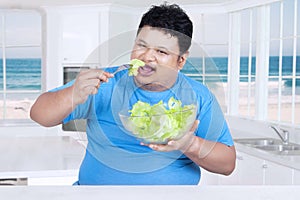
150 192
40 157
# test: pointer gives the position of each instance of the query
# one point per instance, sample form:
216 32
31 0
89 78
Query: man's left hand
181 144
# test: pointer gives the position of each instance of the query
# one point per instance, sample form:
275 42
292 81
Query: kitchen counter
291 161
150 192
39 156
245 128
60 156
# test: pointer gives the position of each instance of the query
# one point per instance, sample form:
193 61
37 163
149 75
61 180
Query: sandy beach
16 109
286 112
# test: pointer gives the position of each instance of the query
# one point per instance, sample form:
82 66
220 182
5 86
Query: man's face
160 52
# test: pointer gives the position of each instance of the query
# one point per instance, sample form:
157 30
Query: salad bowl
158 123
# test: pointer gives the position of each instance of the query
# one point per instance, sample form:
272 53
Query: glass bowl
161 128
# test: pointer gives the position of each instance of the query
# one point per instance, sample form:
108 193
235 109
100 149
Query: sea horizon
25 73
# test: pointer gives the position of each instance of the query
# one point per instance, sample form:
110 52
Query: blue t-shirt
114 157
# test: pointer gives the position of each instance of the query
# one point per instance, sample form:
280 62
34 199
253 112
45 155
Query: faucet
283 134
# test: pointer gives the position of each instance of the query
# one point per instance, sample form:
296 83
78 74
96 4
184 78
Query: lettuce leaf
134 66
159 123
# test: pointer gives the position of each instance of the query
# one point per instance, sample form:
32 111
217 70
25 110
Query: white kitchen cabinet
233 178
296 177
248 171
208 178
101 35
80 31
251 170
276 174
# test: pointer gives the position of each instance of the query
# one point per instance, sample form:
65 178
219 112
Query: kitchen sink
271 145
279 148
258 141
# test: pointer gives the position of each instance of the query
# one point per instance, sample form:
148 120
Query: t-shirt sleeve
213 125
81 111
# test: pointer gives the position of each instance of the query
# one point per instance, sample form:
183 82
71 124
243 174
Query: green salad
134 66
159 123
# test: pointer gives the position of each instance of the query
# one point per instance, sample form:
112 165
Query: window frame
4 121
262 75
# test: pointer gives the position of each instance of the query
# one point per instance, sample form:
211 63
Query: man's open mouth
146 70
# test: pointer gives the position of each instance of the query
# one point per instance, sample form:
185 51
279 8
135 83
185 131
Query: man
114 157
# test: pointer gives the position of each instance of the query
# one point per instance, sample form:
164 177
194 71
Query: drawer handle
239 157
13 181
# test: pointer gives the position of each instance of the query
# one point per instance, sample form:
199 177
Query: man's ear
182 60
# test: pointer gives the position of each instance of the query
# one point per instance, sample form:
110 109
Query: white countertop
150 192
262 130
56 156
33 156
292 161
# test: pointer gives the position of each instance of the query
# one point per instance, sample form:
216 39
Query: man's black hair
173 20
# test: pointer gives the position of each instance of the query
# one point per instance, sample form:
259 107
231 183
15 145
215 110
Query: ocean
25 74
21 74
218 66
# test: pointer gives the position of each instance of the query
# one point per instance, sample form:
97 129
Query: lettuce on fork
159 123
134 66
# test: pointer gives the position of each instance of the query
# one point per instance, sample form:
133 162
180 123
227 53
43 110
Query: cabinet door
233 178
276 174
80 35
296 177
208 178
248 171
251 170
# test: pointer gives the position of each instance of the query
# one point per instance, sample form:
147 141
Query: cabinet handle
239 157
264 166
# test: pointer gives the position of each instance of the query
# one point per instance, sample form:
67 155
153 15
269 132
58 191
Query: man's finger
195 126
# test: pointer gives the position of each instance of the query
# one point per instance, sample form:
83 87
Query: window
269 63
247 63
20 62
208 58
284 68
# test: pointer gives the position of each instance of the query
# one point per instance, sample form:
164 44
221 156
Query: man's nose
149 55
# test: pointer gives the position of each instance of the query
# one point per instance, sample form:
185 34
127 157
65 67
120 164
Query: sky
22 28
25 29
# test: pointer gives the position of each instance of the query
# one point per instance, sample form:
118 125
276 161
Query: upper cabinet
102 35
80 35
96 35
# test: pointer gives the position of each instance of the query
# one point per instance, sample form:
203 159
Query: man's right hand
51 108
87 83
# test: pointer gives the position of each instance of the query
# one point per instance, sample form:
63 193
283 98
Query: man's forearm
52 107
212 156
